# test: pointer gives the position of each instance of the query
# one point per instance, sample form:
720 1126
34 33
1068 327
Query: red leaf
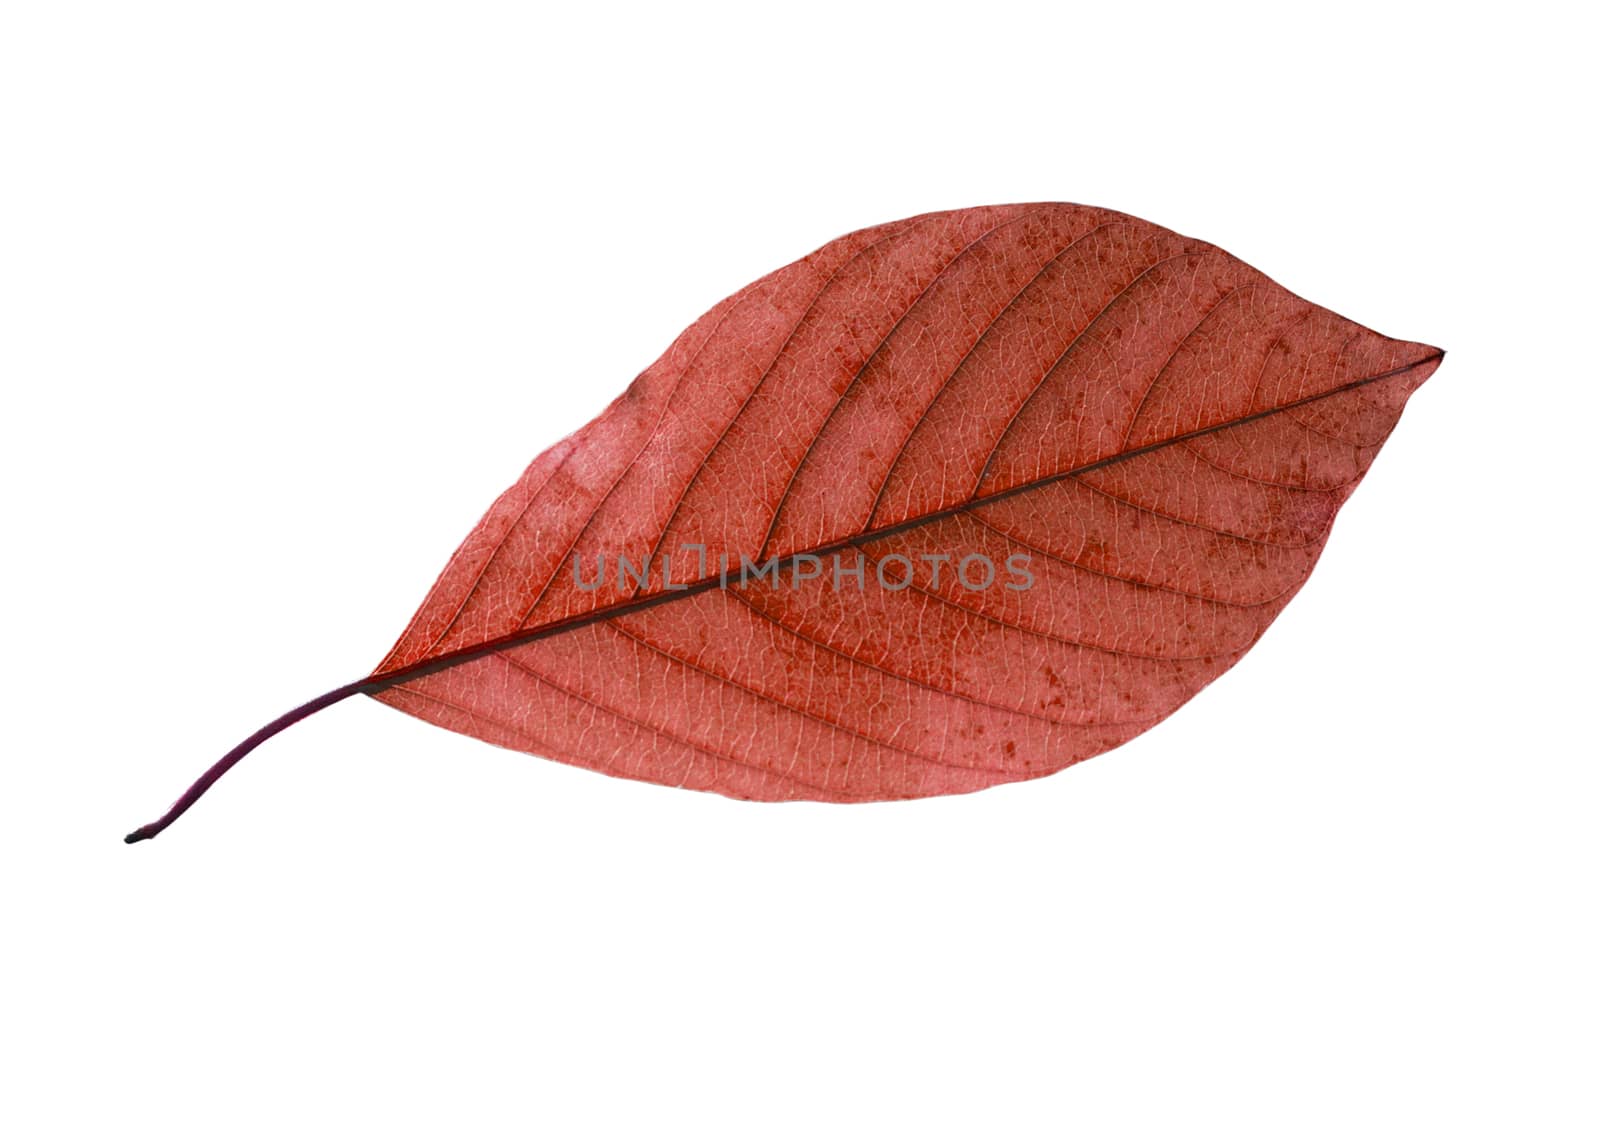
1157 432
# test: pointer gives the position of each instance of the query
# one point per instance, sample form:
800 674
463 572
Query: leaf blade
1080 378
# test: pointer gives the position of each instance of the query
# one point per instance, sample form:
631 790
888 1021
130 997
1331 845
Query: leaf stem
237 754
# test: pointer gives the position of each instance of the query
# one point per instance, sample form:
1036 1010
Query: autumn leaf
953 501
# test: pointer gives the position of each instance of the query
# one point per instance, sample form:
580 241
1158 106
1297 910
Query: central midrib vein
380 682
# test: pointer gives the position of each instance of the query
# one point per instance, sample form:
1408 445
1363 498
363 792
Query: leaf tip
1427 361
137 836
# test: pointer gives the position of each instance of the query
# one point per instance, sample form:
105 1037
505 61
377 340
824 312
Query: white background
289 292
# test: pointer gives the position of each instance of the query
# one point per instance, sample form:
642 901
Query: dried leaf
1139 440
